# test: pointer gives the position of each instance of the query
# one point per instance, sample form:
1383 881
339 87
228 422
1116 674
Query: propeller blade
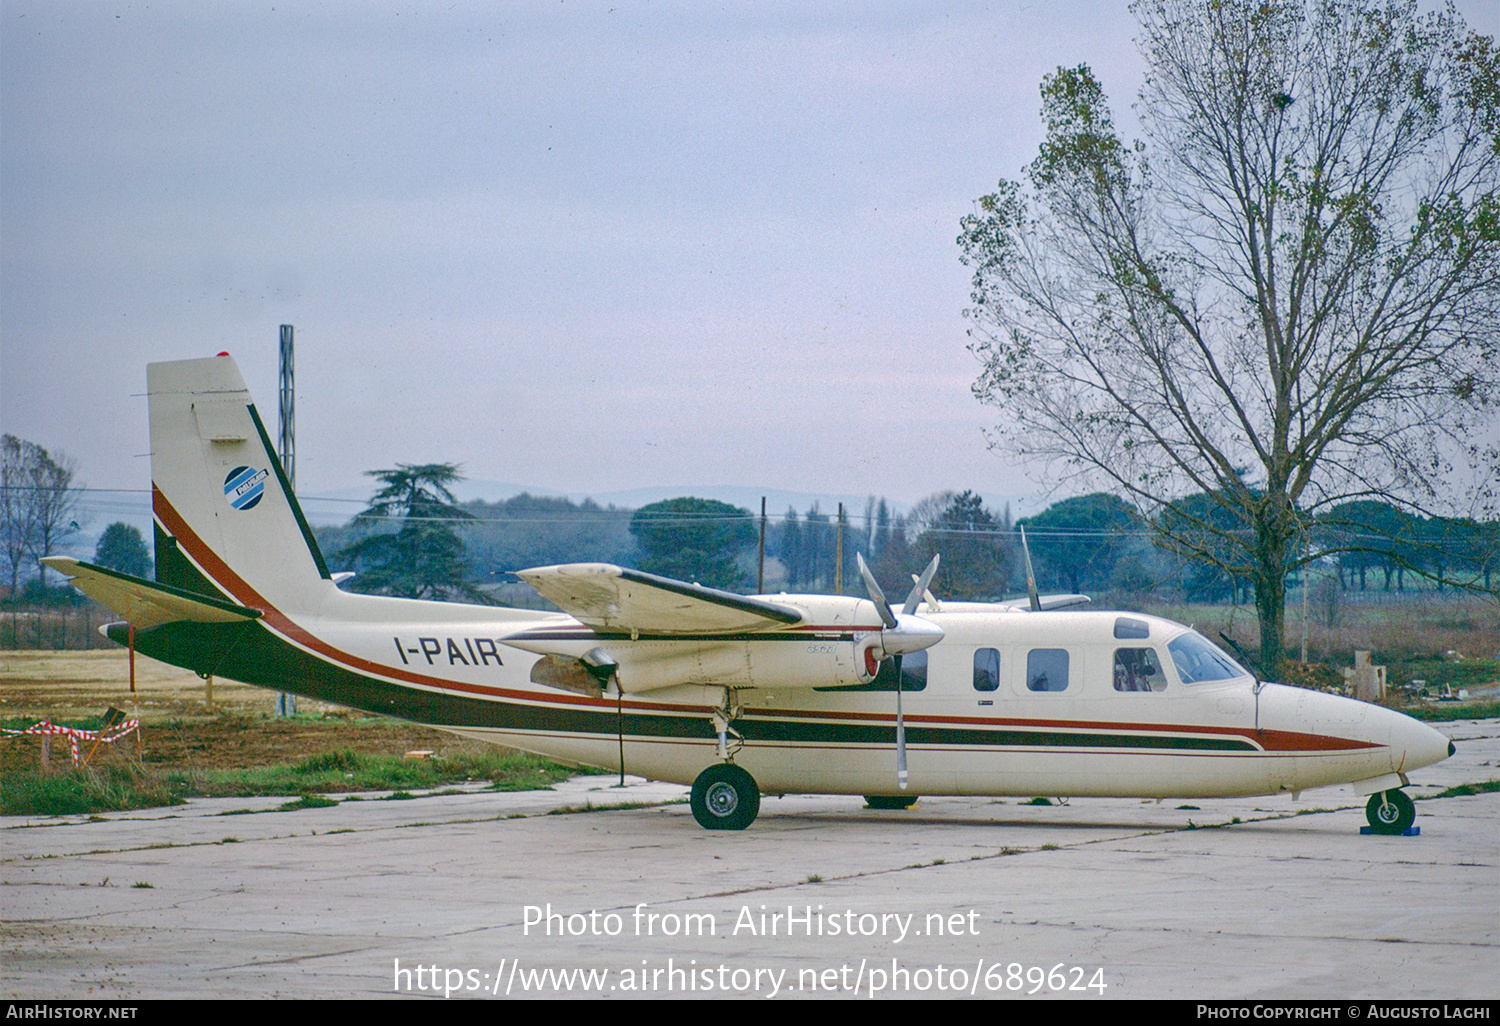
915 595
876 595
1036 602
900 732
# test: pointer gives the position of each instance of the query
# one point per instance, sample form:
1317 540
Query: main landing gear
725 797
1390 812
890 801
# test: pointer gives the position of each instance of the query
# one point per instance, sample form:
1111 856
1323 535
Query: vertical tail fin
227 524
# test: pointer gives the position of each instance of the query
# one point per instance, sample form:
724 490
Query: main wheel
1390 812
891 801
725 797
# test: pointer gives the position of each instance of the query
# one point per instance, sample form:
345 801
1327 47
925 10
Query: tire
891 801
1392 815
725 797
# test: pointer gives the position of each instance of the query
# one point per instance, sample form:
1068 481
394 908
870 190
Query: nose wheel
1390 812
725 797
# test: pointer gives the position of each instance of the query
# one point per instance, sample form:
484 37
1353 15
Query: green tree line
415 540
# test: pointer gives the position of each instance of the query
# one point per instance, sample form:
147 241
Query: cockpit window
1136 669
1198 660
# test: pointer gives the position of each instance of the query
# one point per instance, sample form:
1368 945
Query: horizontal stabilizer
144 603
612 598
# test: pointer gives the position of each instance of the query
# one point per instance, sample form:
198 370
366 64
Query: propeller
914 597
901 634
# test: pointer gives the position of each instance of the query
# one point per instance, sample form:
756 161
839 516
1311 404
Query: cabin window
1047 669
1138 669
913 676
986 669
1128 628
1197 660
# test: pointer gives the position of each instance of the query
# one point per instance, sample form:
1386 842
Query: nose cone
1414 744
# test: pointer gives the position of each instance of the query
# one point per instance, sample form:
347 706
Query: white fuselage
1168 738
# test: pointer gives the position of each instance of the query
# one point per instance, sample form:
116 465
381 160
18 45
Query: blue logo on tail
244 486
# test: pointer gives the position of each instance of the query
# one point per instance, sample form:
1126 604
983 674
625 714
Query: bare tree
38 505
15 510
55 502
1286 297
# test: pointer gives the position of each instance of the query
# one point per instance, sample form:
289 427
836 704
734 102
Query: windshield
1199 660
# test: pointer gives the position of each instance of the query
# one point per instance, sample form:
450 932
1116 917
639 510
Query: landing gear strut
725 797
1390 812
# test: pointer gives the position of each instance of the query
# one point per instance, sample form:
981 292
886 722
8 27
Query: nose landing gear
1390 812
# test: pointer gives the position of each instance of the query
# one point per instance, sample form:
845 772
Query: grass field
232 749
113 787
1421 628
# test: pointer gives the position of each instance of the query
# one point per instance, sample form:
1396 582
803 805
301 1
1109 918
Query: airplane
735 695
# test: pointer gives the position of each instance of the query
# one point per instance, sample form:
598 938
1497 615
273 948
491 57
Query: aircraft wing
1049 602
144 603
612 598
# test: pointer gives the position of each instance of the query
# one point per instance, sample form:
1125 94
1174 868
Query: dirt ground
179 728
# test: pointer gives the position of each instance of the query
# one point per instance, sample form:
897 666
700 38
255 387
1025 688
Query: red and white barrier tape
74 735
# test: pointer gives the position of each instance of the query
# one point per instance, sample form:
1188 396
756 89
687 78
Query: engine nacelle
801 662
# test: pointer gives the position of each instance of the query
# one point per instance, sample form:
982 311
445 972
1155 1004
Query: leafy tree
817 549
424 556
789 547
1458 551
535 530
880 531
696 540
972 542
1205 534
1080 540
1366 535
1297 272
1480 551
121 547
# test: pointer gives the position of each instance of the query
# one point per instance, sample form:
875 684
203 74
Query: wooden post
208 683
132 659
46 753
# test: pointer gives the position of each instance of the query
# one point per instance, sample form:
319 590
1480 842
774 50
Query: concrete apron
479 894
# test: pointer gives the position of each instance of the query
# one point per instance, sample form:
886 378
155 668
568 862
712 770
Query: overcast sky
579 246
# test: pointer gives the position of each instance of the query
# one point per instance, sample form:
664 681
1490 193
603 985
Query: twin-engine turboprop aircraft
736 695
